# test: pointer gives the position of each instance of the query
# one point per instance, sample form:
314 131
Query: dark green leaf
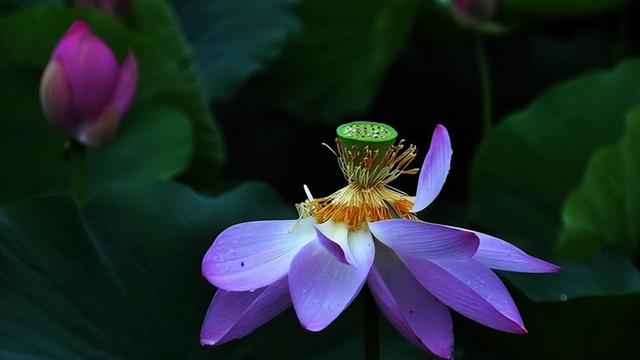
603 211
553 8
529 164
118 279
31 151
142 151
172 78
337 63
233 39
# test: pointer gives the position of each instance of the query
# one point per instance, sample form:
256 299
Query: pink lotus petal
435 169
55 97
236 314
499 254
425 240
322 286
253 255
409 307
126 84
471 289
91 70
98 133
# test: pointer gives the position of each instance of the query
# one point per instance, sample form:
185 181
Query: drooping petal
253 255
499 254
335 238
235 314
90 67
126 84
471 289
55 97
425 240
408 306
321 286
435 169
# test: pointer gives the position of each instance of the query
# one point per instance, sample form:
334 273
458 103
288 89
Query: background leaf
551 8
336 64
142 151
233 40
118 279
173 80
32 166
529 164
603 211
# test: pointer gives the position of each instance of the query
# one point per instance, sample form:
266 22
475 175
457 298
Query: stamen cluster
367 196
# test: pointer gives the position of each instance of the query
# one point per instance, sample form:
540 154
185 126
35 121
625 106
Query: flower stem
76 156
371 331
484 72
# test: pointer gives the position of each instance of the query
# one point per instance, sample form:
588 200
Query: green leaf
173 79
564 8
153 142
119 278
528 165
142 151
31 152
337 63
603 211
167 73
233 40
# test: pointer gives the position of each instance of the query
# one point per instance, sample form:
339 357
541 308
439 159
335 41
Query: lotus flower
365 232
84 93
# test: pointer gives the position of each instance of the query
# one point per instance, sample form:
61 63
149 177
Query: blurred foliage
118 275
232 40
553 8
535 158
118 278
335 65
603 211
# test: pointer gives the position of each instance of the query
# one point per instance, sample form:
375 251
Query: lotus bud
473 12
84 92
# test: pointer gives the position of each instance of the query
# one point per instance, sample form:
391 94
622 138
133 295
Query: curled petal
471 289
253 255
236 314
435 169
425 240
335 238
126 84
416 313
322 286
501 255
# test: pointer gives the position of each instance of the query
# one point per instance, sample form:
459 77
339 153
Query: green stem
76 156
484 72
371 331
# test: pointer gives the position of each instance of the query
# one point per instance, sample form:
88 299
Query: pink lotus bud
473 12
83 91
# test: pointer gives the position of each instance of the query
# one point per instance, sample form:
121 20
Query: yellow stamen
367 196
